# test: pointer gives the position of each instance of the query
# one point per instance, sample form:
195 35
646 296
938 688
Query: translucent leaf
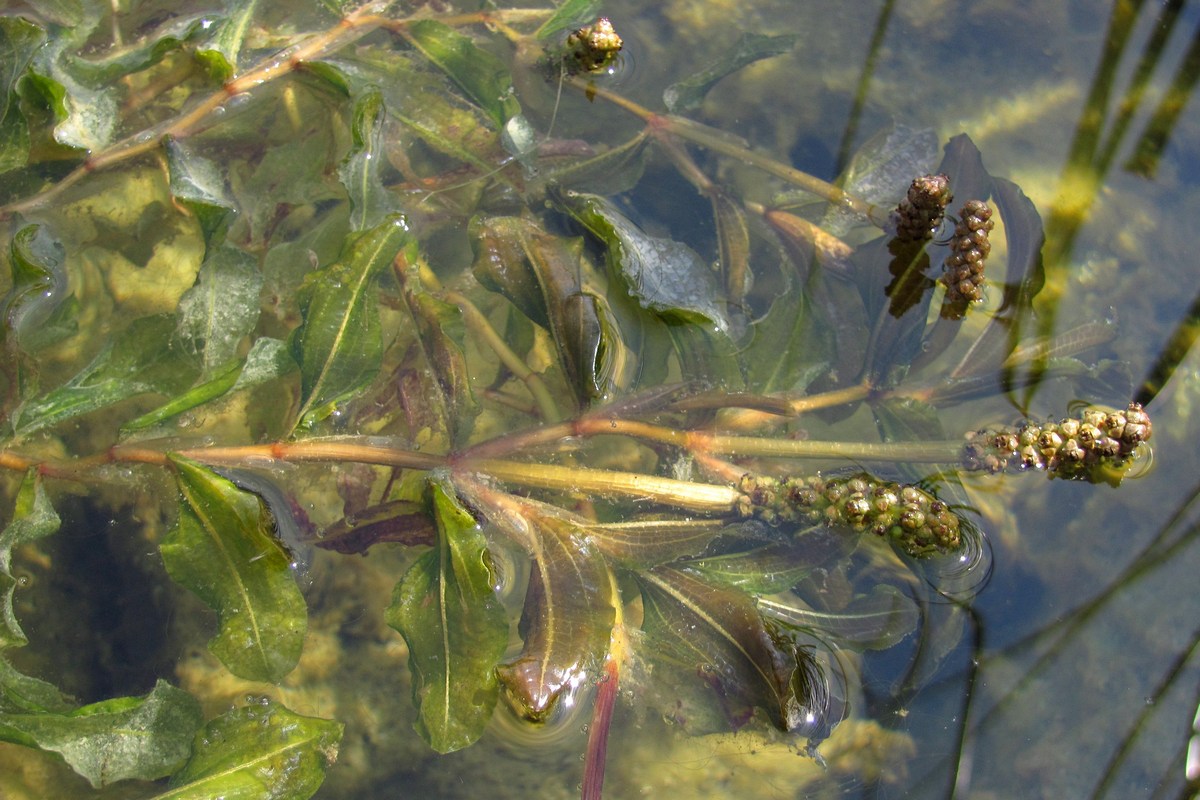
665 276
455 627
715 642
223 550
140 360
442 339
568 615
479 73
652 542
139 738
86 117
151 48
338 346
370 201
222 308
258 752
39 289
221 56
568 16
874 621
199 186
775 561
21 694
688 94
33 518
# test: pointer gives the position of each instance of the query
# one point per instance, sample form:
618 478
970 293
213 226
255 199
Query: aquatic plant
234 251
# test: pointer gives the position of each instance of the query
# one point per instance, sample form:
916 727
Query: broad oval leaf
338 346
455 627
126 738
261 751
223 550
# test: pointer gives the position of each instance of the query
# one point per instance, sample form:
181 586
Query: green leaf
21 694
221 57
570 15
665 276
688 94
38 291
652 542
151 48
33 518
455 627
339 346
222 308
569 608
138 361
258 752
359 172
199 186
19 40
126 738
775 561
479 73
875 621
714 640
223 550
544 276
442 338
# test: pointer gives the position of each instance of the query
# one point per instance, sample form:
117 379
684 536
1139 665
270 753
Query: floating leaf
479 73
258 752
665 276
138 361
370 201
222 308
33 518
339 345
140 738
715 635
875 621
223 549
688 94
455 627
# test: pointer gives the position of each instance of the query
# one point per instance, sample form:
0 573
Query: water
1069 672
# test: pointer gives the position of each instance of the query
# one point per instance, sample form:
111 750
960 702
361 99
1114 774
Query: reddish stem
597 743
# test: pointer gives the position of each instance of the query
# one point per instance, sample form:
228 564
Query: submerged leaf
339 346
875 621
223 550
571 14
198 185
665 276
126 738
455 627
715 637
258 752
569 608
370 201
19 40
33 518
139 360
38 291
221 308
479 73
773 561
688 94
